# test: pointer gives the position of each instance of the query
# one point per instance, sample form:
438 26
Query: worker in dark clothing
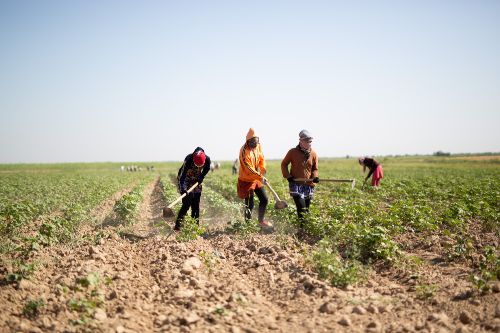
375 168
193 170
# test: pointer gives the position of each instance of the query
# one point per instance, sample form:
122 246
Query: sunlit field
429 215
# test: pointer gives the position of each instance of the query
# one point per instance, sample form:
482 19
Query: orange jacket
252 164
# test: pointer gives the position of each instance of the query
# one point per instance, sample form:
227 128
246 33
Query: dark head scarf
306 152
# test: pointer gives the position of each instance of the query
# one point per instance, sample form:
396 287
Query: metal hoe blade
280 204
168 212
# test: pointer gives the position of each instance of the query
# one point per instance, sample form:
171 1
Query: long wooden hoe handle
324 180
182 196
273 192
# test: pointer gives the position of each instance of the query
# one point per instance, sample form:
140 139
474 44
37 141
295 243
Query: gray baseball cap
305 134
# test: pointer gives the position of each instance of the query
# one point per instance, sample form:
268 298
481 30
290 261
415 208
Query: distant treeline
437 153
442 153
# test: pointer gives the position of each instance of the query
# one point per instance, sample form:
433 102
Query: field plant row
169 187
223 183
359 226
229 211
127 207
28 223
25 197
220 205
49 198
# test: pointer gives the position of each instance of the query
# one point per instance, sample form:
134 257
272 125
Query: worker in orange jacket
251 177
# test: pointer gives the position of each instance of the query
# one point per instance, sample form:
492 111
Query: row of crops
412 199
45 204
417 199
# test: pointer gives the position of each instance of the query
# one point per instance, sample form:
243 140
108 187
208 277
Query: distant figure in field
375 170
304 164
194 169
214 166
251 177
235 167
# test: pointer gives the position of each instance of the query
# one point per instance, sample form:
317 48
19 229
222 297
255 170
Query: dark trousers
302 207
192 200
249 204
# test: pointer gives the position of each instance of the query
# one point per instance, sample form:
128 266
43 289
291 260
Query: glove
200 180
264 180
290 179
182 191
315 180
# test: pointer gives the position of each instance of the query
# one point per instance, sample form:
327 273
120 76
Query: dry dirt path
145 282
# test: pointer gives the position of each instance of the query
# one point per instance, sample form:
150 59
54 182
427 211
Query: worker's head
199 158
253 142
305 139
252 138
361 161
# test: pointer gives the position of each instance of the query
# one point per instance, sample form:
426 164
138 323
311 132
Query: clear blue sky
151 80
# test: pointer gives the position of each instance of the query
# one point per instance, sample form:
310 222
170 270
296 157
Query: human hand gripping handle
184 192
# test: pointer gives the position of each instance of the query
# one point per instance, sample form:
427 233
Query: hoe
280 204
352 181
167 211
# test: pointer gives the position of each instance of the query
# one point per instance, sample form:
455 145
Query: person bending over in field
304 164
251 177
194 169
375 170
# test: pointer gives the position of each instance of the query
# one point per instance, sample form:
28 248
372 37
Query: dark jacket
371 164
189 173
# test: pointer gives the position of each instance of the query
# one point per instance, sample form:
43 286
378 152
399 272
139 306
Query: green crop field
428 210
451 197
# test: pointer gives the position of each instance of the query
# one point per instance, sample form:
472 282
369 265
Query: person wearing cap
304 164
251 177
375 168
194 169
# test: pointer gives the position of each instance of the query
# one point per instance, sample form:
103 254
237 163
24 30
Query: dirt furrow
42 301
